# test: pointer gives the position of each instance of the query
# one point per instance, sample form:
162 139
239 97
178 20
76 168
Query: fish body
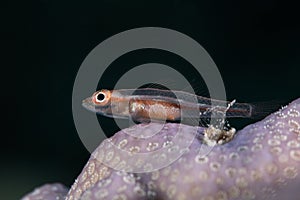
161 105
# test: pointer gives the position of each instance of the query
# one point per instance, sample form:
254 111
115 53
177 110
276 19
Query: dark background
255 45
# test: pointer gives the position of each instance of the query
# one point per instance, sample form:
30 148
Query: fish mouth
88 104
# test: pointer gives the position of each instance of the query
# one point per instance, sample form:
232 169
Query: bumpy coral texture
261 162
55 191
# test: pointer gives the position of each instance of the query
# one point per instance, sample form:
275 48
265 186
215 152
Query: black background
255 45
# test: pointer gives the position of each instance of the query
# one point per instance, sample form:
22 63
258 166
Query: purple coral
55 191
261 162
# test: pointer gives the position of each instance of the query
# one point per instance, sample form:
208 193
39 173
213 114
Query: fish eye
100 97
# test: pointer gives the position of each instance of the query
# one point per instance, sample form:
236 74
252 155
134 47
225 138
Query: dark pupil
100 97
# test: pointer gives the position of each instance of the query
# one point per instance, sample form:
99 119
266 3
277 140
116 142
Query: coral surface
169 161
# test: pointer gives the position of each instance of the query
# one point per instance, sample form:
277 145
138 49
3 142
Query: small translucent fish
162 105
